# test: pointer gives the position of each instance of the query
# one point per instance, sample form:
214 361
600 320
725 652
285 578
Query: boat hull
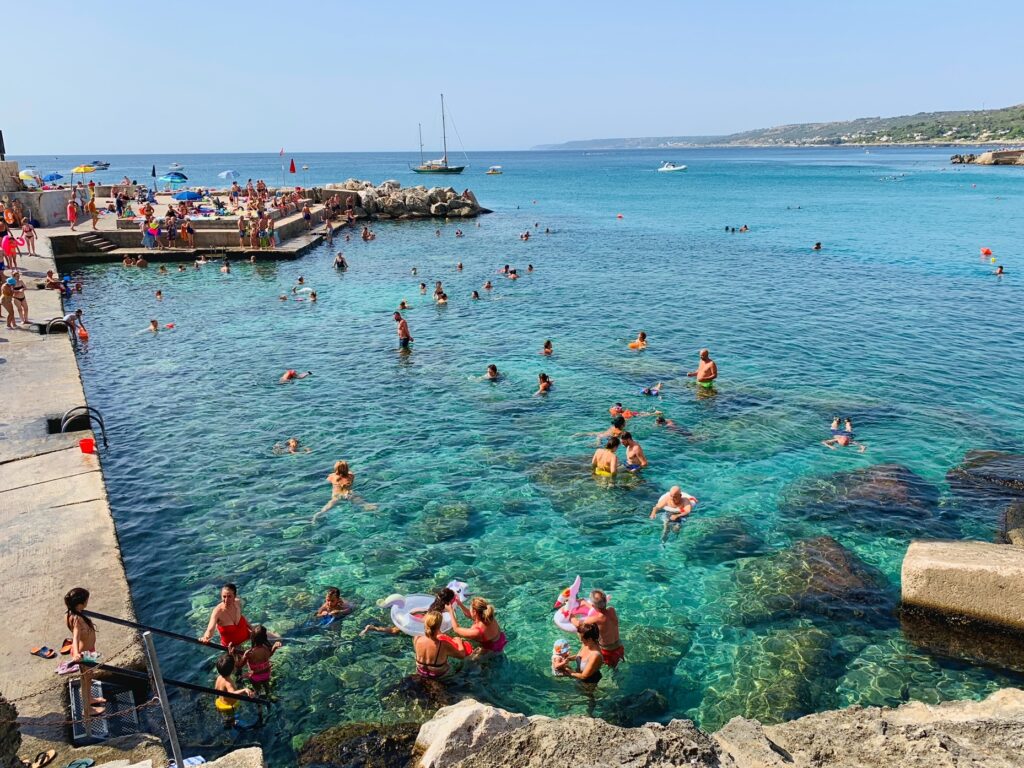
449 169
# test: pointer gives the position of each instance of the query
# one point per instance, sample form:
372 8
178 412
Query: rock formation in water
389 200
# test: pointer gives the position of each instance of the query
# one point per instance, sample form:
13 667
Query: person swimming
674 505
544 384
291 445
654 391
403 305
548 348
475 296
492 373
841 438
488 286
292 374
640 342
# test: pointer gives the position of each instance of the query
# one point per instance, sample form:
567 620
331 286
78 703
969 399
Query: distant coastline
979 128
577 145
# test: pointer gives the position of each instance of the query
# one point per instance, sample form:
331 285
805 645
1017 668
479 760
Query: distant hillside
1001 126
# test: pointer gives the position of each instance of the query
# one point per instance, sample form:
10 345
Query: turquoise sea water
897 322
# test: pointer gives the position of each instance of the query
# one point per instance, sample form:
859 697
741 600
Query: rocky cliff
987 733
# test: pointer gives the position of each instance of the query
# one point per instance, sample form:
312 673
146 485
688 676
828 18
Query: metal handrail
91 413
67 326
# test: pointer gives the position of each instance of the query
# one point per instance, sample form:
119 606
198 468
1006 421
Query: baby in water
559 656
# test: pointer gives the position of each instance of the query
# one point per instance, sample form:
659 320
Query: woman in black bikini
19 297
433 649
590 659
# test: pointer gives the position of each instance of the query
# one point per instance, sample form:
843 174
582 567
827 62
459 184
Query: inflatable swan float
407 610
568 607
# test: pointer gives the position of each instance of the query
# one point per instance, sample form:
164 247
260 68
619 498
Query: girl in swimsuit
18 290
29 233
485 630
258 660
83 641
227 619
433 648
590 659
7 300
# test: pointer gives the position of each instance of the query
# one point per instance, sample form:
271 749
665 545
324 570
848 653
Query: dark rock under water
361 745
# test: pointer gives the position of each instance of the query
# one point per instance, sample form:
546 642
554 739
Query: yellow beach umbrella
27 175
83 169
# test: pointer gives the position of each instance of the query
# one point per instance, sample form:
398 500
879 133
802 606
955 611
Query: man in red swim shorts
607 621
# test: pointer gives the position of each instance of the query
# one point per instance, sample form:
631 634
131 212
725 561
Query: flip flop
44 758
82 762
44 653
67 668
65 647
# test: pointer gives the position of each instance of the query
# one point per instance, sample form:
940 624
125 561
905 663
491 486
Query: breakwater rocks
390 200
474 735
997 157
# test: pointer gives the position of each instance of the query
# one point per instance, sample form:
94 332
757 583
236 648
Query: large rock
990 469
942 637
439 209
816 576
975 734
1013 524
583 742
361 745
457 731
966 578
416 201
249 757
885 499
778 675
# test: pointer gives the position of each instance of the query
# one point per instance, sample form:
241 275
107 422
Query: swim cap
560 647
11 281
67 279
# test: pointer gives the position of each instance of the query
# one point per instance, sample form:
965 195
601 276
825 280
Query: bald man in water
707 370
675 505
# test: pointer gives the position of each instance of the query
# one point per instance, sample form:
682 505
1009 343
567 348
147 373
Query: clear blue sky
194 76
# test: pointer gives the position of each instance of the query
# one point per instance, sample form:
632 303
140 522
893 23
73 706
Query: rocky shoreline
469 734
390 200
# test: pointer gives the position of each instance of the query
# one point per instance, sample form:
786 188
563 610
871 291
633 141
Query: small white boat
494 170
100 165
669 167
175 167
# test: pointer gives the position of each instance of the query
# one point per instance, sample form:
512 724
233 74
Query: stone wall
9 181
48 208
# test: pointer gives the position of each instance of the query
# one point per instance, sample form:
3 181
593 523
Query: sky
335 76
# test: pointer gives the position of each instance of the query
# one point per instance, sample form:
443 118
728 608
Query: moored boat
494 170
440 165
668 167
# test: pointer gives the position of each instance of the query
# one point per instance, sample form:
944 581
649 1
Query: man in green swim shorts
707 371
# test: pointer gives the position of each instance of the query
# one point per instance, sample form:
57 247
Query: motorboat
667 167
100 165
494 170
175 167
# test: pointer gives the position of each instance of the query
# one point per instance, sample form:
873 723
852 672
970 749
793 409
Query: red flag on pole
291 168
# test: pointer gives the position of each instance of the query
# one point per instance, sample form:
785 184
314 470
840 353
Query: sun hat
11 281
560 647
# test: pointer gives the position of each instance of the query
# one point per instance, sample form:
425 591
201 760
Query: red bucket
87 444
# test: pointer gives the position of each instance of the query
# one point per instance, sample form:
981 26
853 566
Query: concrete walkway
58 530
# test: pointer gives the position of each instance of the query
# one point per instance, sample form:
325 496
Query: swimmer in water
635 457
817 247
153 326
226 267
291 374
341 480
654 391
442 299
544 384
402 305
334 605
290 446
181 267
159 295
707 371
282 297
423 288
605 462
312 296
414 271
475 296
339 262
674 505
492 373
548 349
999 271
162 270
640 342
488 286
529 267
842 438
459 266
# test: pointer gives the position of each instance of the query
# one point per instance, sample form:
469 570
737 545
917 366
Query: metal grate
119 700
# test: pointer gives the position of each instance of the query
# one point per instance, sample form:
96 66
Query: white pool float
407 610
568 607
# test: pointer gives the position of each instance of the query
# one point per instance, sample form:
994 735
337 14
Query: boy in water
333 604
842 438
226 706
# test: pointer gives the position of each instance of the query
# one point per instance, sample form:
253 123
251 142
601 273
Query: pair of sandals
45 652
45 758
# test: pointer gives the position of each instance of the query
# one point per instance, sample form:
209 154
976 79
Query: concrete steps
95 242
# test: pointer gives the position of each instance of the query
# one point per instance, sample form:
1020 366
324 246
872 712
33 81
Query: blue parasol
52 177
188 195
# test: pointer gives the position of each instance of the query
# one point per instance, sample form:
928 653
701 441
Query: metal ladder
93 414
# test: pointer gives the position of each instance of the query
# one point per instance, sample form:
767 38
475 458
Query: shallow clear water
897 322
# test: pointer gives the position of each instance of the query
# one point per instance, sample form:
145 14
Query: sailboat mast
444 133
420 127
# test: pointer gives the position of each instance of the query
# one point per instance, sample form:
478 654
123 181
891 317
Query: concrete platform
966 578
58 530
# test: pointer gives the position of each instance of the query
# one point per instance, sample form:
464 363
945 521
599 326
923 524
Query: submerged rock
724 539
443 521
885 499
990 469
964 640
777 676
361 745
817 576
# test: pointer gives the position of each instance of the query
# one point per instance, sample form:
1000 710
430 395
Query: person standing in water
707 371
604 462
404 337
604 617
635 457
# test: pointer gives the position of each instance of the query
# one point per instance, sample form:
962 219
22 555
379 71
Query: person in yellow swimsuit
605 462
224 705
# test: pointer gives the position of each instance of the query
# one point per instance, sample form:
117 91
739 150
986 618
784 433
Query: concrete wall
49 208
9 181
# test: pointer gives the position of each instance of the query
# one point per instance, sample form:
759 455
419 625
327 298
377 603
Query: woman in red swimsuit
485 631
228 620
